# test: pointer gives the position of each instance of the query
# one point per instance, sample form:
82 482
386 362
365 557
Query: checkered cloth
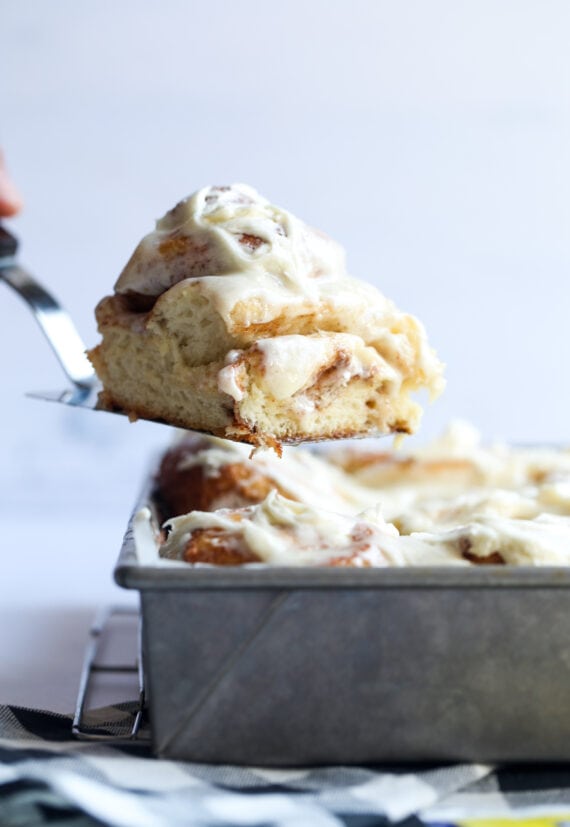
46 777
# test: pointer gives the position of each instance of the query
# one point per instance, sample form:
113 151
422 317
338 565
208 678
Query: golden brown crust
179 489
493 559
217 547
114 310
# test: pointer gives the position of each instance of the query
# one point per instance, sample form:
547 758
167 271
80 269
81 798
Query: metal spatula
57 327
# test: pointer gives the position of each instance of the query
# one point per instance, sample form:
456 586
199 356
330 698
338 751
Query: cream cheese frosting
260 265
243 233
508 505
282 532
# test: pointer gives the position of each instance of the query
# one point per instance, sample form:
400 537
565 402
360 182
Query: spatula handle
8 244
52 318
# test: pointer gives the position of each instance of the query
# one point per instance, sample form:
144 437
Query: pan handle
51 317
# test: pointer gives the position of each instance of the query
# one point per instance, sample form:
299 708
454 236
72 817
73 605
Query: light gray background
431 138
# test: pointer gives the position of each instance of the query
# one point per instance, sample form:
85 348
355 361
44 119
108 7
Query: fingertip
11 202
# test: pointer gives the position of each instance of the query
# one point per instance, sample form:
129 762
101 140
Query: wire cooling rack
100 667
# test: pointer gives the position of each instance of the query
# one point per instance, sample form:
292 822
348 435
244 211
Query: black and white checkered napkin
46 777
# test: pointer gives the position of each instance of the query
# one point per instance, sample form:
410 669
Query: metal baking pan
286 667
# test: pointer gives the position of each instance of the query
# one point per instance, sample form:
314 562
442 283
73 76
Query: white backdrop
432 139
